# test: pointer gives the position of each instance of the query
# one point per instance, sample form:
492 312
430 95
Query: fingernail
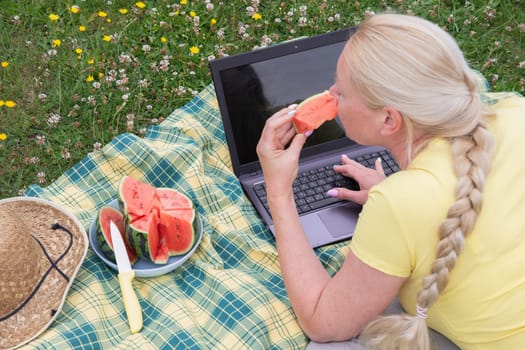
379 159
308 133
332 193
292 112
292 106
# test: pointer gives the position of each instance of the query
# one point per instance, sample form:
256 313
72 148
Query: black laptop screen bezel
258 55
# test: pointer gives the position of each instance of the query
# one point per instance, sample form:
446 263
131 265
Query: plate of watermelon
160 227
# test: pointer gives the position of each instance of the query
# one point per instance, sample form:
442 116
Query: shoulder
429 175
503 100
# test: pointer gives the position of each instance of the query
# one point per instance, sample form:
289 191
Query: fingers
379 165
366 177
353 169
297 143
349 167
278 130
283 116
358 197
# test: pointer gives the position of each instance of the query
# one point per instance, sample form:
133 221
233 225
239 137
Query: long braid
471 154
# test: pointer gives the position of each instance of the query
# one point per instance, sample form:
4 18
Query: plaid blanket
228 295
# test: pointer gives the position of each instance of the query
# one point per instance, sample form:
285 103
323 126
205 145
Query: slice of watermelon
105 215
144 234
136 197
314 111
159 224
177 232
173 199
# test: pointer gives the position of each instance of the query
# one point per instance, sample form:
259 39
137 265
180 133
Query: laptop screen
251 87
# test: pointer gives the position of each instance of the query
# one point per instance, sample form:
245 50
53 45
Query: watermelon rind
103 235
145 239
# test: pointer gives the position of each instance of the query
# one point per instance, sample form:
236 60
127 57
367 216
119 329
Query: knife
125 278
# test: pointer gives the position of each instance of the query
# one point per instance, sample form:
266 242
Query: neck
399 149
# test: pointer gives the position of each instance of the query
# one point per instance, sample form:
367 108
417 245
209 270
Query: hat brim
64 242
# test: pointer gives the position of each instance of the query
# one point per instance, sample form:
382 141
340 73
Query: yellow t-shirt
483 306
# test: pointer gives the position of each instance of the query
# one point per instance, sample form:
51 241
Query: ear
392 121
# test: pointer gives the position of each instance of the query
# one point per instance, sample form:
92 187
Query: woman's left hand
365 177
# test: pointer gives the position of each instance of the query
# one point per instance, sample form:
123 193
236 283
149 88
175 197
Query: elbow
322 331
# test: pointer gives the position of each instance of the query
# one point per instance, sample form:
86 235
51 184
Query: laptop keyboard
310 186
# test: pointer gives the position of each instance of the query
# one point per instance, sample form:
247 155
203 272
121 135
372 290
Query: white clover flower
54 119
64 153
41 177
250 11
40 139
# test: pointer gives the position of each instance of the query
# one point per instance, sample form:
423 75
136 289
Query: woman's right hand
278 151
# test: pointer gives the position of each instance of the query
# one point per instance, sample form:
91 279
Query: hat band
53 266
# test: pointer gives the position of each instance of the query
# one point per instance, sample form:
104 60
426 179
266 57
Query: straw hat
41 249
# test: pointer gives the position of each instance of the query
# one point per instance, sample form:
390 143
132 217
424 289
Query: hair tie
421 312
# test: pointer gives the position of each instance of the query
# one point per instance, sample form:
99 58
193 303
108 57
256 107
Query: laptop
252 86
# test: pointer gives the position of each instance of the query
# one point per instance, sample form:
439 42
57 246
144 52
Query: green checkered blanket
228 295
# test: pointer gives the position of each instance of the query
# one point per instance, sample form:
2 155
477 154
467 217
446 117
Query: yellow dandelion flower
56 43
140 4
82 28
79 51
193 13
108 20
53 17
2 103
194 50
89 78
3 136
102 14
256 16
75 9
10 104
106 38
100 75
213 21
123 11
183 2
163 39
91 61
5 64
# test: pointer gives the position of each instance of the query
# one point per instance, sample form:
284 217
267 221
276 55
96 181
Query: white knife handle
131 303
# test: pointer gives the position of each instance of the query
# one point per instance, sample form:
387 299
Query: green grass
71 102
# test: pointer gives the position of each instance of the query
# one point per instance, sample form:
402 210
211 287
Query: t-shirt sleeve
380 239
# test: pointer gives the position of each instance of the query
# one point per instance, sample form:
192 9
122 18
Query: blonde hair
414 66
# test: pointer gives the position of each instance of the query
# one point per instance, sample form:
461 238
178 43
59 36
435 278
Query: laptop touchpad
340 220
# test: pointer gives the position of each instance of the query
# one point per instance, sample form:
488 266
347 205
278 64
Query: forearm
303 274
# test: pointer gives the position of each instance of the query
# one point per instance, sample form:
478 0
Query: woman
446 234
